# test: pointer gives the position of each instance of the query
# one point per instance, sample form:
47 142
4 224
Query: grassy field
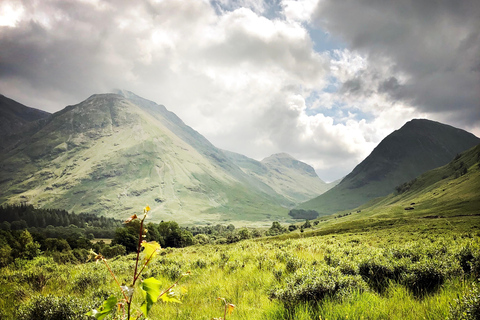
365 270
379 261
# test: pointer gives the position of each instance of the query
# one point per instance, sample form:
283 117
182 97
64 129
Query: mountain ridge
418 146
15 119
113 153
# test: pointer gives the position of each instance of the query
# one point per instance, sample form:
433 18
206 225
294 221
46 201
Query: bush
37 279
54 308
293 263
425 276
313 285
467 307
469 258
377 272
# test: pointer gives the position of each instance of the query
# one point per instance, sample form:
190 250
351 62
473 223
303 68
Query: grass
245 273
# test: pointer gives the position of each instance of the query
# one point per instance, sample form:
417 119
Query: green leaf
108 306
152 248
151 290
170 297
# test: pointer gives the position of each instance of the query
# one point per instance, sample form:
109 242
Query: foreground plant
150 288
228 309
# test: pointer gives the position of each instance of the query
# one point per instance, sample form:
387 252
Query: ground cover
371 269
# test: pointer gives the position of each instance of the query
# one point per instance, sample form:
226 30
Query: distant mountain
291 178
449 191
114 153
420 145
16 119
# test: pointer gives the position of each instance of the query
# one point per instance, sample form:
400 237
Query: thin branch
144 265
116 280
173 285
135 277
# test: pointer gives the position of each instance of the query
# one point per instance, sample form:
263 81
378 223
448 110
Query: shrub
37 279
469 258
313 285
425 276
54 308
377 272
467 307
293 264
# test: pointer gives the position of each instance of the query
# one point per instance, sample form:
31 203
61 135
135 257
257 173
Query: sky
322 80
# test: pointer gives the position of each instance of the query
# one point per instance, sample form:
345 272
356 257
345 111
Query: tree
276 229
30 249
307 224
244 234
127 236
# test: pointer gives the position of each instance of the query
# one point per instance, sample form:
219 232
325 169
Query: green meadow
412 255
405 270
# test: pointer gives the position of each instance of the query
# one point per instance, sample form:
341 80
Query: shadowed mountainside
15 120
420 145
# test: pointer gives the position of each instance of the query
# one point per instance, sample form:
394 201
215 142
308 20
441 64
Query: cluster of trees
170 234
167 234
26 232
55 222
303 214
404 187
17 244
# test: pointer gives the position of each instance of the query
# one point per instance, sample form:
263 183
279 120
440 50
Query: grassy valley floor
382 269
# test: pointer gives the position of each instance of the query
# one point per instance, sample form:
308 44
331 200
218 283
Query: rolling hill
420 145
114 153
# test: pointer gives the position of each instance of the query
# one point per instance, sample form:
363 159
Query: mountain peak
17 119
286 160
281 155
418 146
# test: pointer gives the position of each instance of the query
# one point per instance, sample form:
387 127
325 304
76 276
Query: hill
114 153
16 119
449 191
293 179
420 145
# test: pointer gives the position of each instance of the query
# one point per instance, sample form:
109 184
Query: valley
393 240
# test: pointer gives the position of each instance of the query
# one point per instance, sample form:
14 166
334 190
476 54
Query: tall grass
246 274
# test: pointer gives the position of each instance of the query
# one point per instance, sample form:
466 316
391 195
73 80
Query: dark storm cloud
433 44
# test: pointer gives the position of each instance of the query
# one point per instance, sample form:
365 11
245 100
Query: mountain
291 178
16 119
449 191
114 153
420 145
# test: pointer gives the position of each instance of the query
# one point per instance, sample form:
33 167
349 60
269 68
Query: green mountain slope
114 153
452 190
293 179
15 120
418 146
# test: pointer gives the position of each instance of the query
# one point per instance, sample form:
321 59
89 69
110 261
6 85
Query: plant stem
143 267
135 276
118 283
138 251
173 285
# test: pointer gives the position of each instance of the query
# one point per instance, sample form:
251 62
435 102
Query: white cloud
250 81
10 14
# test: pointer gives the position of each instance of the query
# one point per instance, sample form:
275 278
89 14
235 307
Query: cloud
246 74
433 45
